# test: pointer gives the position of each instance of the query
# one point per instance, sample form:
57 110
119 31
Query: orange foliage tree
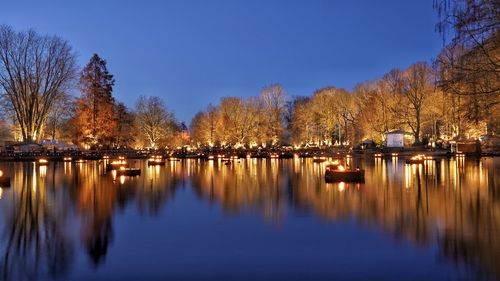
95 118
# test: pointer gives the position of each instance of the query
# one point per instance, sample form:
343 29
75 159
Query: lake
257 219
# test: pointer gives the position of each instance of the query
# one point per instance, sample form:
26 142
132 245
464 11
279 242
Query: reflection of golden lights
43 161
113 174
43 171
1 192
122 179
1 173
341 186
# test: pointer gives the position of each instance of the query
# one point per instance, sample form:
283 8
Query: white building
395 138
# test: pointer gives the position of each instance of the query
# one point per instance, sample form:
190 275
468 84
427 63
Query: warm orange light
67 158
1 173
122 168
341 168
43 161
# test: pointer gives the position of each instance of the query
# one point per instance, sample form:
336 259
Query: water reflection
51 212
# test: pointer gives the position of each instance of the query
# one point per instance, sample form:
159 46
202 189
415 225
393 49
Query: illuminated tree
95 108
125 129
154 120
35 71
469 66
273 103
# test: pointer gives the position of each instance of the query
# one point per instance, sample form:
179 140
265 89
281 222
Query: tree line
456 96
37 76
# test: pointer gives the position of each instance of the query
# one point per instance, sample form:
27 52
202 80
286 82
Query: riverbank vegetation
454 96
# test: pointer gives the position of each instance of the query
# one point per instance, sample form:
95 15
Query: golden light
43 161
105 157
1 193
1 173
296 155
341 168
211 157
122 179
118 162
274 155
122 168
341 186
67 158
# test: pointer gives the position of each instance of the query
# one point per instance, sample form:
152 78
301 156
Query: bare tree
34 71
153 119
273 99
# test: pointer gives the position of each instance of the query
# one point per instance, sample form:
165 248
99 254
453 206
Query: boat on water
319 159
116 164
4 180
156 160
131 172
335 172
418 159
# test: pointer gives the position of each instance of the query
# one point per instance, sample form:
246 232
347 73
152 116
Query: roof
396 132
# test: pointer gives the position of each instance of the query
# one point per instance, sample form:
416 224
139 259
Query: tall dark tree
124 135
96 106
35 71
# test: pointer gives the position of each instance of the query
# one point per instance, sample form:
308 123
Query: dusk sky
191 53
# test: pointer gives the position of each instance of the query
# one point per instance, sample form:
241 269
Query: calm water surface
254 220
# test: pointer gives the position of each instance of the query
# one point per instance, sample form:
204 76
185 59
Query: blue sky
192 52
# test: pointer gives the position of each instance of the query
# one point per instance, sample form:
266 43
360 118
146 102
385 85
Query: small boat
332 165
337 173
418 159
131 172
156 160
319 159
116 164
4 180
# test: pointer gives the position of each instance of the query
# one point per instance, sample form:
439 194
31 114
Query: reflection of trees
35 239
442 199
243 185
98 195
